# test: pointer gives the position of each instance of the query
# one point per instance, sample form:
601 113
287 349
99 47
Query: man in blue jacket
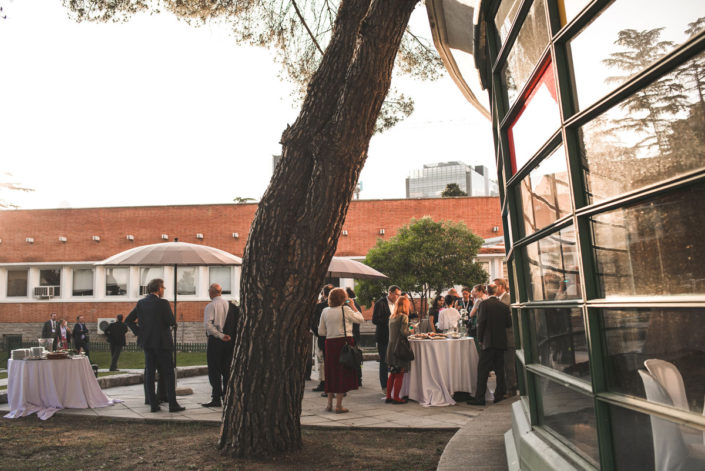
152 318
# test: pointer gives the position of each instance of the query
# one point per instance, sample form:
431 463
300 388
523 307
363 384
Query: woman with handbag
399 354
336 326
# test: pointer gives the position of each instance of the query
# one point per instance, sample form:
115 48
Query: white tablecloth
45 386
441 368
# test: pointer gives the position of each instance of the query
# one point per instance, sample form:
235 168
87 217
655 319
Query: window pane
17 283
569 9
560 341
538 119
655 134
116 281
149 273
186 280
648 442
571 415
51 277
626 38
553 264
526 51
673 335
83 282
504 18
545 193
653 247
221 275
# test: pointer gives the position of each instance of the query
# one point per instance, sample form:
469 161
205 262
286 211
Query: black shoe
389 400
155 409
324 394
476 402
176 408
400 401
213 404
321 387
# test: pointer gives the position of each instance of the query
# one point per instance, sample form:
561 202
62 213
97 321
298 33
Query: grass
135 360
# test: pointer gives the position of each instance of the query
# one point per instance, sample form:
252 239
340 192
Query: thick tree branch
308 30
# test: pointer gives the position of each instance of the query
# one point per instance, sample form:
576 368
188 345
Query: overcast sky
156 112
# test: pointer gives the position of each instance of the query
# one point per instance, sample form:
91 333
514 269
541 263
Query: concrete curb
128 379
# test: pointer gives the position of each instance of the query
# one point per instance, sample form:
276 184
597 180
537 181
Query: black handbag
350 355
404 352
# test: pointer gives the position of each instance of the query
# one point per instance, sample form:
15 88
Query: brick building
48 257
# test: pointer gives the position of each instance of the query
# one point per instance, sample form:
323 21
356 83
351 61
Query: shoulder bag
404 352
350 355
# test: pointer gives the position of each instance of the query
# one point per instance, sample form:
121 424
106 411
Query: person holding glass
62 339
434 311
398 327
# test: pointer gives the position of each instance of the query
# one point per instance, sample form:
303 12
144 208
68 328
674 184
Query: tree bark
296 228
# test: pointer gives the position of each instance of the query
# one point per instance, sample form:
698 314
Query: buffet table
45 386
441 368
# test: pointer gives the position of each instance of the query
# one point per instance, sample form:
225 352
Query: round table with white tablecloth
45 386
441 368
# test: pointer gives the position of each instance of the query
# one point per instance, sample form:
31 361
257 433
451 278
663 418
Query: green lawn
135 360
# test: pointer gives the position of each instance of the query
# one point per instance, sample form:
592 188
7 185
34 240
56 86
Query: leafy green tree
424 257
452 189
342 54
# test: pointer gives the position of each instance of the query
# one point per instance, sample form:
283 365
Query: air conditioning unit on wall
46 292
103 323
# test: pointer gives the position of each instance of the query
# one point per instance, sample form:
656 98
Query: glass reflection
633 336
545 193
537 120
553 266
653 247
569 9
504 18
560 341
116 281
571 415
149 273
526 50
649 442
655 134
626 38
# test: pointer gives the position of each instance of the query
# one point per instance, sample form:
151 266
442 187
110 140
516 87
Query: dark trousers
162 358
82 344
383 373
161 389
491 359
114 355
218 356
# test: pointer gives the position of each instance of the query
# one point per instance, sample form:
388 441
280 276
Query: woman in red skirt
339 379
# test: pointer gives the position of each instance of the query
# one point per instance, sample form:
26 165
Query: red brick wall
216 222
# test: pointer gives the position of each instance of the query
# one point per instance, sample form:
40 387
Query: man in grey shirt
214 318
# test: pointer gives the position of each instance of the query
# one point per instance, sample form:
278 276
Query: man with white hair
214 317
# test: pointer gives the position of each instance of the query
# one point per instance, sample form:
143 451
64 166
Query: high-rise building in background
430 181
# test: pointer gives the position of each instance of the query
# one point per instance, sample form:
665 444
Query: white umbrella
172 253
346 268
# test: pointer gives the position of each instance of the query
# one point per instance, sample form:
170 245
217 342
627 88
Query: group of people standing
64 337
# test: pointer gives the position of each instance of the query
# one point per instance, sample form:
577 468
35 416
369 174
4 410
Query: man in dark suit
116 338
154 320
380 318
50 327
493 320
80 335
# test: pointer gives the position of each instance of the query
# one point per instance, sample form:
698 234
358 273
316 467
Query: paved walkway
367 410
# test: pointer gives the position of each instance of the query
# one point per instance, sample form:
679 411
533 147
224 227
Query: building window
553 267
650 136
116 281
626 38
537 120
147 274
17 283
186 280
545 193
571 415
82 282
569 9
560 340
635 336
51 278
652 247
222 276
504 18
526 51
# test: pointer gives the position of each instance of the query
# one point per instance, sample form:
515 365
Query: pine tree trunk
295 231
